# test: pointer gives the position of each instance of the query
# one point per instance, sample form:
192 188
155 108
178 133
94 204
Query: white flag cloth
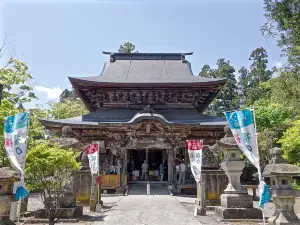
15 140
242 126
92 152
195 155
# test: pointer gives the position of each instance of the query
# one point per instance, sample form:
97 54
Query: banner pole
258 156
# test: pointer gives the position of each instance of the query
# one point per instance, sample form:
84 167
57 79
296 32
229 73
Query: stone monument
7 179
67 204
235 202
281 173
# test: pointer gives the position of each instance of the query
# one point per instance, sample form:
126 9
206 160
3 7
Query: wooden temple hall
143 106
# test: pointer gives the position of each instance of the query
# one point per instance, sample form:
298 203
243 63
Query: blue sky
66 38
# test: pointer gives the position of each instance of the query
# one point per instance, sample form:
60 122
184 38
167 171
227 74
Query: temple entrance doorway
153 157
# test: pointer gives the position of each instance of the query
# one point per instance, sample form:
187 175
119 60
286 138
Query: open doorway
154 157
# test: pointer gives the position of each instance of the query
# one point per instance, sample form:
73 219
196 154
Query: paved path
148 210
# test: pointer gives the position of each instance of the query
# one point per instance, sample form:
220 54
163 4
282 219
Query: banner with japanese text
92 152
15 140
195 154
242 126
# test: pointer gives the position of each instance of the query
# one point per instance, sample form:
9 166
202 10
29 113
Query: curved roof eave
86 81
137 118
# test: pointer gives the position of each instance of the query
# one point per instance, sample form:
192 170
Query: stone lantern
7 179
235 202
280 174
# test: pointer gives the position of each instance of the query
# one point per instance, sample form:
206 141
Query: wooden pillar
123 168
174 177
170 165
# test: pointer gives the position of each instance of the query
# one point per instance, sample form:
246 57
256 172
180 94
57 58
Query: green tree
15 78
127 47
66 109
291 143
227 99
272 119
66 94
285 89
283 18
250 82
48 169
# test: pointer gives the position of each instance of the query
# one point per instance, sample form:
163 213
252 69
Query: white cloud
277 64
52 93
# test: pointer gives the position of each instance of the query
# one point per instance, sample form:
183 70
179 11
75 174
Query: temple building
143 106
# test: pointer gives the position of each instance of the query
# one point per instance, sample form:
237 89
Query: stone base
236 201
285 217
7 222
63 213
238 213
213 203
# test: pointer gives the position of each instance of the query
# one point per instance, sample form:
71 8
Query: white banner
195 155
242 126
92 152
15 140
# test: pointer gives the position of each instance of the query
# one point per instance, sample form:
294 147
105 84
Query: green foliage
227 99
286 89
15 78
296 184
37 131
291 143
66 109
271 115
66 94
48 169
251 81
127 47
271 120
283 18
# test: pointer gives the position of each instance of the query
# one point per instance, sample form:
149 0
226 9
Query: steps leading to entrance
156 188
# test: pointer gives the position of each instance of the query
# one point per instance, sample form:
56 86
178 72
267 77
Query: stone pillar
280 173
200 202
7 179
94 193
235 202
215 181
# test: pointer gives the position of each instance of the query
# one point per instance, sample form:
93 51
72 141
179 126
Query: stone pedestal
284 201
82 185
235 202
281 173
67 205
7 179
214 178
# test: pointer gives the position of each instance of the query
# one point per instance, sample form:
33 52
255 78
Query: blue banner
264 194
242 126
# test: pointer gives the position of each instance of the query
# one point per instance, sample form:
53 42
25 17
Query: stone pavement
160 209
